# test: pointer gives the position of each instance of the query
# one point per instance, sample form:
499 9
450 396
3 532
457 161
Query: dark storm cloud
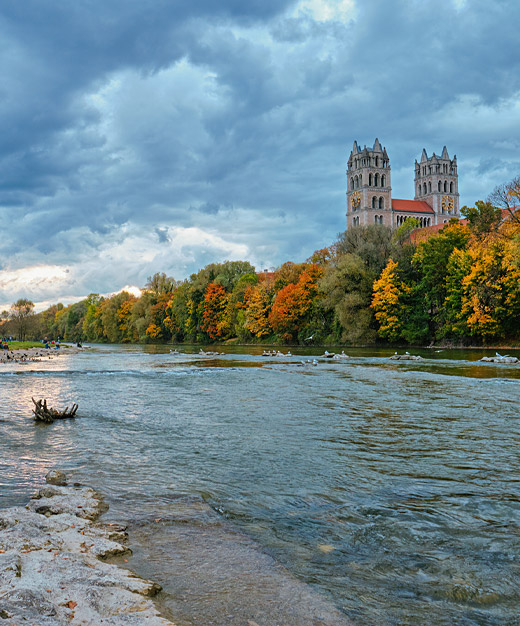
136 130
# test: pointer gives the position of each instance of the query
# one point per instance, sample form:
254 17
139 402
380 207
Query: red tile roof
411 206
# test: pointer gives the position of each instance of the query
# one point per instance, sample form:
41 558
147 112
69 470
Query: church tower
369 194
437 183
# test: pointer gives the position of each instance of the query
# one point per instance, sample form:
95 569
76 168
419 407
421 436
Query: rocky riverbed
52 568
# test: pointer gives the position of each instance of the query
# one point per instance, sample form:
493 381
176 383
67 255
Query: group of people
51 344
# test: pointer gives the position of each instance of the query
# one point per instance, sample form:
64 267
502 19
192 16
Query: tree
372 244
257 312
428 295
387 302
507 196
347 288
482 218
21 312
159 283
213 309
293 303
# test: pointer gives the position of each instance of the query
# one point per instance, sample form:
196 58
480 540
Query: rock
51 567
406 357
499 359
56 477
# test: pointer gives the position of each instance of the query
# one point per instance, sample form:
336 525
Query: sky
143 136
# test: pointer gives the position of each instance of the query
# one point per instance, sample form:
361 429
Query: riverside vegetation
459 285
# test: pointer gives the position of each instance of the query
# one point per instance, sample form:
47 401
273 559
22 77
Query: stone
56 477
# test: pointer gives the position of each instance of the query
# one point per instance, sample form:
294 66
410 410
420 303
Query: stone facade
369 191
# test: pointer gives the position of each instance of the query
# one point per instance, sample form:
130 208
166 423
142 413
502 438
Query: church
369 190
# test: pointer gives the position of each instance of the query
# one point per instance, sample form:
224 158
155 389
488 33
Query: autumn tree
213 309
387 302
257 312
293 303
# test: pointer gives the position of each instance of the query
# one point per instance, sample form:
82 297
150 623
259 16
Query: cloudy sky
161 135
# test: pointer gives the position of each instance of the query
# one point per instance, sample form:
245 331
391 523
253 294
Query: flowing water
392 488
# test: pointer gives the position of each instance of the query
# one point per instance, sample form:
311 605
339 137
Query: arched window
374 202
376 219
429 221
370 180
381 203
430 187
352 183
356 182
383 181
361 180
376 180
424 188
445 186
439 186
419 189
451 187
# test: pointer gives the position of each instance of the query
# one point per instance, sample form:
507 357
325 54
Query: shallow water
391 487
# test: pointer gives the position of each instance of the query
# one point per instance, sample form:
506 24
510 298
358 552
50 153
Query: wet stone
56 477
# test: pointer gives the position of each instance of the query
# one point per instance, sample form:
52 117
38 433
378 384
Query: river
390 487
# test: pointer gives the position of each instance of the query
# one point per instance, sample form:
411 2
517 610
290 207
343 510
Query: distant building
369 190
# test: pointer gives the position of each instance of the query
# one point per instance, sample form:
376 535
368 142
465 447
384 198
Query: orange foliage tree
293 303
213 311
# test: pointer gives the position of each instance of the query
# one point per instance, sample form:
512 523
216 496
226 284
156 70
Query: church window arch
451 187
383 181
376 180
430 186
356 182
377 161
370 180
374 202
439 186
424 188
381 202
352 183
445 185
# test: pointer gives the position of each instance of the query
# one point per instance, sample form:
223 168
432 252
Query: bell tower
369 194
437 183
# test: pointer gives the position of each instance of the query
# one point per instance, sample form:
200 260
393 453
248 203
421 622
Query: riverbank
52 568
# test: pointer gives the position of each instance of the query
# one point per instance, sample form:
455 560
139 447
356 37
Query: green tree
21 313
483 217
347 288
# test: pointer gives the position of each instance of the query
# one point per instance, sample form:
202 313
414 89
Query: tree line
460 285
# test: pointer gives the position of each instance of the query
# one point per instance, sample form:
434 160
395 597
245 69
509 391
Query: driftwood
43 413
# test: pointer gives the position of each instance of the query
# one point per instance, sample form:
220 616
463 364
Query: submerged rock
51 572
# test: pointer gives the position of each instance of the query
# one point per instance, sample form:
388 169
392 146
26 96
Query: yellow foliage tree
386 302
